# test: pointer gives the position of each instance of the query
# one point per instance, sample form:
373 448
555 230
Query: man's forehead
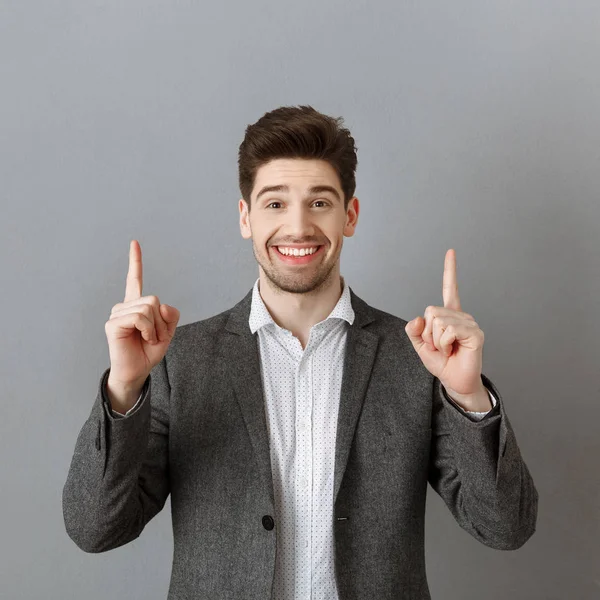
296 175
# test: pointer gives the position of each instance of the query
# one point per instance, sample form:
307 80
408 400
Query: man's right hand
139 331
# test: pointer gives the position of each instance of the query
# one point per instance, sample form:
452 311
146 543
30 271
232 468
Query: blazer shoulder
389 327
391 330
190 337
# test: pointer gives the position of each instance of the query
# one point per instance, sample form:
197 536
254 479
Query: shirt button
268 522
305 482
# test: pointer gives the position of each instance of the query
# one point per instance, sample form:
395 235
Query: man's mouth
298 256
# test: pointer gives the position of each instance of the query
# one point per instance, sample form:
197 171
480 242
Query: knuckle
147 311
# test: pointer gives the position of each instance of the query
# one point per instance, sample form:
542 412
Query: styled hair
297 132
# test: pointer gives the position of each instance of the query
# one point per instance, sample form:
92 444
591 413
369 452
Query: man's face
298 217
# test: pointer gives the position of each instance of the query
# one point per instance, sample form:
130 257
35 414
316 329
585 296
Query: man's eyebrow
316 189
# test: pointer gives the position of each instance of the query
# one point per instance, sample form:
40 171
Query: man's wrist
477 402
123 397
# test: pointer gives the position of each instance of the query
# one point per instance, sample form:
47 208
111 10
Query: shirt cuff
480 415
118 414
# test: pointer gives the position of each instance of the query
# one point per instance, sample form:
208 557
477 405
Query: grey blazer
200 434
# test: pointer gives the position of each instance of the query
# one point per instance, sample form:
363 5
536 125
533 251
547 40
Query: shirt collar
260 316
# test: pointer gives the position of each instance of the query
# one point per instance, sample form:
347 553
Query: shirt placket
304 472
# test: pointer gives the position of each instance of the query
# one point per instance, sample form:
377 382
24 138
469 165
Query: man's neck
299 312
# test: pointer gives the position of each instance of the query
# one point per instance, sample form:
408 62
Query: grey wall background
477 129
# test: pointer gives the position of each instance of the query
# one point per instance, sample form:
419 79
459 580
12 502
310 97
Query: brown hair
297 132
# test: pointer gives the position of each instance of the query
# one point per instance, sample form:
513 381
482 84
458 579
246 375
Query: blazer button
268 522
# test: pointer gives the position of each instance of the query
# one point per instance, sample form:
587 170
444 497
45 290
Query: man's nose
299 223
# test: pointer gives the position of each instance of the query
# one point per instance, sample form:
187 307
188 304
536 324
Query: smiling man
297 431
297 226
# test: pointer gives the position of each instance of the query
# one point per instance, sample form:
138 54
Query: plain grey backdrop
477 126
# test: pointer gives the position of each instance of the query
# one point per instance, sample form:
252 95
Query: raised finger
133 285
449 284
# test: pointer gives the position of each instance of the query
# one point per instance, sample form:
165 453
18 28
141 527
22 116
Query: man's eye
275 202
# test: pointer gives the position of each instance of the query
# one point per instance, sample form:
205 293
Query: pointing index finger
450 285
133 285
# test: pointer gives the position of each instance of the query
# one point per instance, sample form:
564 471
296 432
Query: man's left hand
450 344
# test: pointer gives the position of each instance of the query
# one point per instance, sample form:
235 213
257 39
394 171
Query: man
296 432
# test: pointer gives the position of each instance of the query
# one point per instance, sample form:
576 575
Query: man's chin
297 283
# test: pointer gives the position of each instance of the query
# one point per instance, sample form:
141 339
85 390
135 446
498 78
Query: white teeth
296 252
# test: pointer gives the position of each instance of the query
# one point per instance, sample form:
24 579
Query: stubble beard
299 283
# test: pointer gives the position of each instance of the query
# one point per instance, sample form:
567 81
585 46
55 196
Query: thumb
171 316
414 329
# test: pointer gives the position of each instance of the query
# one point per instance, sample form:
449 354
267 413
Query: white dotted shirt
302 394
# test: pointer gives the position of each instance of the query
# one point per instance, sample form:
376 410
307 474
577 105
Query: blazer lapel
242 358
241 354
361 347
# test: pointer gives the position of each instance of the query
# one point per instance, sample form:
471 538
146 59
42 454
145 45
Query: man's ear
351 217
245 229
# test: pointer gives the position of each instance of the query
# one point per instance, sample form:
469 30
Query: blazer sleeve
119 479
477 469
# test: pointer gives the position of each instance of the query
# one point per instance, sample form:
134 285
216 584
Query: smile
295 256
